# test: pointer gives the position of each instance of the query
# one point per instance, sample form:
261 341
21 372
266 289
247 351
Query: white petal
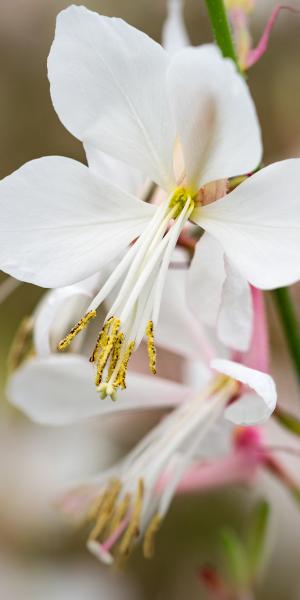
60 389
108 86
218 295
215 115
235 316
60 223
174 33
178 330
258 225
58 310
115 170
206 278
251 408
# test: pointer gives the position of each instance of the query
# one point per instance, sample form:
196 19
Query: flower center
139 280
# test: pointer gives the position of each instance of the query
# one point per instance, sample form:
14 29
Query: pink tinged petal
251 408
174 33
218 295
108 86
215 115
59 390
238 467
60 223
256 53
258 225
257 357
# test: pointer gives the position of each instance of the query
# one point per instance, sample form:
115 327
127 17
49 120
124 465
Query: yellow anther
120 513
63 344
151 347
106 509
120 380
104 355
101 339
115 355
152 529
133 529
95 507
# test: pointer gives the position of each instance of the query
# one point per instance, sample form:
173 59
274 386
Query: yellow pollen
95 507
63 344
133 529
115 355
151 347
120 380
106 509
120 513
101 339
152 529
105 352
179 200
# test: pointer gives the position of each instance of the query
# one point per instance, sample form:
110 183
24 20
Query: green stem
290 324
223 36
220 25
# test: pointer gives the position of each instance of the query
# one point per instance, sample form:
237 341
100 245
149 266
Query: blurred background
41 558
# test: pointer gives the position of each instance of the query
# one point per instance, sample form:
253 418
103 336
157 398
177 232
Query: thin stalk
221 29
289 324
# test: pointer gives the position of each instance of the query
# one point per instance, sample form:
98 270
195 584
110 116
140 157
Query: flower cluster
165 240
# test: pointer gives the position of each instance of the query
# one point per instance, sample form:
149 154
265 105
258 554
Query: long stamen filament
136 307
82 324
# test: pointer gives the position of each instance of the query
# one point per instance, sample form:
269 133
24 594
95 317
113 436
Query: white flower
129 500
57 390
123 94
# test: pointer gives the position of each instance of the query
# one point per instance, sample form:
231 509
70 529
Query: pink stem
255 54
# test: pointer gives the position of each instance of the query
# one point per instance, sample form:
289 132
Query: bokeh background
40 557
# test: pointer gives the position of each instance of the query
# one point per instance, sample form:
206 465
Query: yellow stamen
133 529
121 377
95 507
63 344
152 529
104 355
151 347
106 509
120 513
101 339
115 355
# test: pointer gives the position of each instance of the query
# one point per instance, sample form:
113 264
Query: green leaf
289 324
287 420
236 559
256 537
